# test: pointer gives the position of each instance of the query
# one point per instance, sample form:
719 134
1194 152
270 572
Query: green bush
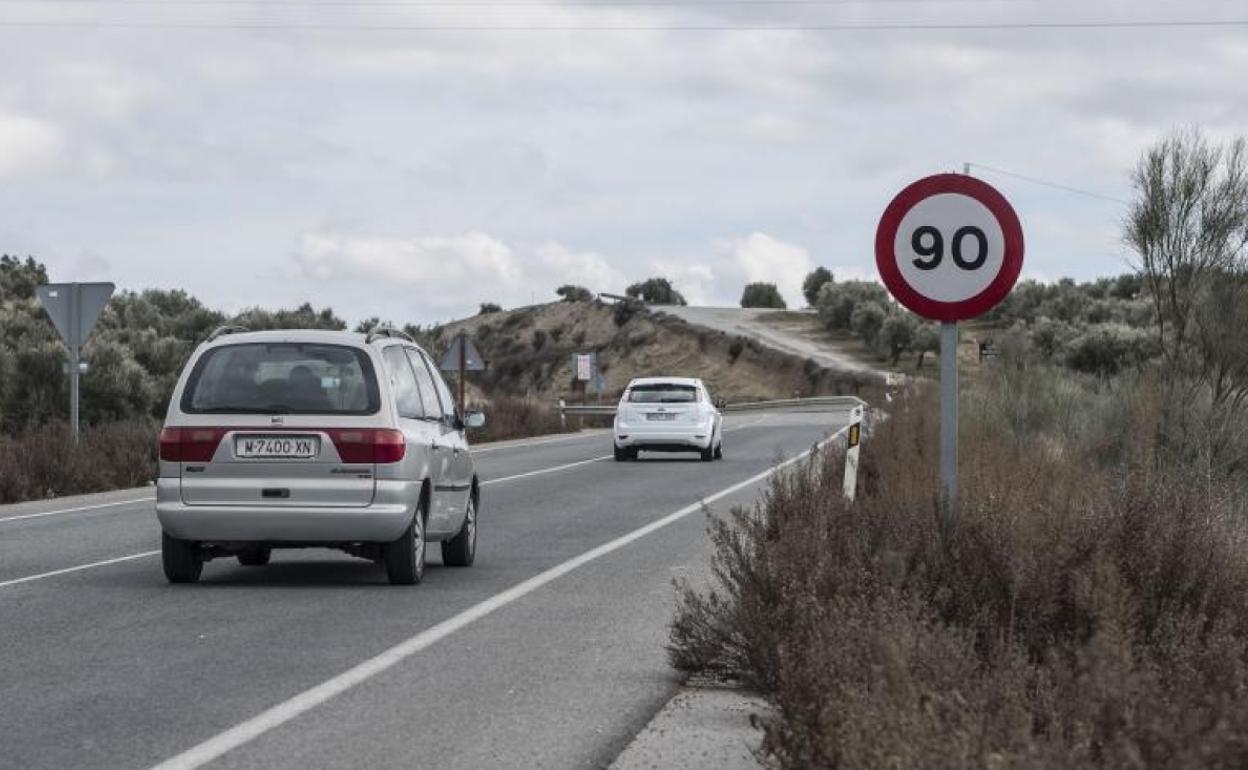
572 293
762 295
655 291
814 283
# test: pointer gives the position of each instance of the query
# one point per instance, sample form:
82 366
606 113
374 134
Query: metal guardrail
798 404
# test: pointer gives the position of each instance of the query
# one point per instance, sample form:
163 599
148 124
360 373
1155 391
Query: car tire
257 556
180 559
708 454
621 454
461 550
405 558
719 451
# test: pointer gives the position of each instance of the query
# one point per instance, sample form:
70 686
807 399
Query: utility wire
1047 183
882 27
508 3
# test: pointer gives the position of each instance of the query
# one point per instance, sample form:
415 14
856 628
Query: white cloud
29 145
760 257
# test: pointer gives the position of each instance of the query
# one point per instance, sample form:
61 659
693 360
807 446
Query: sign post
853 440
74 308
462 357
949 247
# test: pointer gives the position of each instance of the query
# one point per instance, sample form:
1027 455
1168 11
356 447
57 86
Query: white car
668 414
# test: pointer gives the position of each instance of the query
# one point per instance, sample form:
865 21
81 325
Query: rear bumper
692 437
384 521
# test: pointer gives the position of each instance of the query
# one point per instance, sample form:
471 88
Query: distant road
750 322
548 653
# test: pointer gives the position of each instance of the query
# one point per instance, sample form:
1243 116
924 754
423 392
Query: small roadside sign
462 357
74 308
462 350
583 365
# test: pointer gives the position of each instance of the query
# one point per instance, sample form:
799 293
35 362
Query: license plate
661 416
284 447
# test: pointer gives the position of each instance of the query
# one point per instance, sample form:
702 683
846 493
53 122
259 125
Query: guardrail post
563 415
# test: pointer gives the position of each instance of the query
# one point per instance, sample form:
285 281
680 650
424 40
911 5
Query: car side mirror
474 420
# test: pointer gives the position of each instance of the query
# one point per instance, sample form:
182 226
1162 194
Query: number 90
929 244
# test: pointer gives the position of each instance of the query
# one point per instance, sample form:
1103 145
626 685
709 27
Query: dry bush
509 417
45 462
1090 609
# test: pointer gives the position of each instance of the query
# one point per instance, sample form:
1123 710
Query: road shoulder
700 728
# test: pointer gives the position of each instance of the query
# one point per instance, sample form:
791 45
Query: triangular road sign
74 307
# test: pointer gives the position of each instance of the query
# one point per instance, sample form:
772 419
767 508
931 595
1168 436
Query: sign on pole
74 308
584 363
461 357
949 248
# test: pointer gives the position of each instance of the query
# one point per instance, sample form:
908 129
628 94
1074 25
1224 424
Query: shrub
490 307
45 462
813 283
762 295
655 291
573 293
897 334
1090 609
837 301
539 340
735 348
867 321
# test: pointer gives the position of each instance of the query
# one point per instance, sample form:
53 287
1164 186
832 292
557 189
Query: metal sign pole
949 420
75 309
463 357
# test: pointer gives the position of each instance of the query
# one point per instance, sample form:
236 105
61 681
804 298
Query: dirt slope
528 352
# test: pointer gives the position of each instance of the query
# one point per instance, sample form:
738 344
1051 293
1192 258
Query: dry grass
45 462
509 417
1089 610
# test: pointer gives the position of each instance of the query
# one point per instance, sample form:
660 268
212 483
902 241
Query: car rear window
282 378
662 393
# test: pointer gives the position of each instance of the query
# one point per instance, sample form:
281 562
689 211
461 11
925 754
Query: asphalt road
547 653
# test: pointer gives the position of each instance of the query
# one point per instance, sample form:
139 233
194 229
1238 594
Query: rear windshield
662 393
282 378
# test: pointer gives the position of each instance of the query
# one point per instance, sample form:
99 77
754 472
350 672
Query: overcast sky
413 173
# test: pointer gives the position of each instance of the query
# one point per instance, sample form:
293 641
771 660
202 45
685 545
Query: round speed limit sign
949 247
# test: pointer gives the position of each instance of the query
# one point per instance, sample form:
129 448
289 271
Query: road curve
547 653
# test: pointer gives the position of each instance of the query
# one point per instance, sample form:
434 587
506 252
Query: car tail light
190 445
368 445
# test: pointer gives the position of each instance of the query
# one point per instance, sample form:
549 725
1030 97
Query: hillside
528 352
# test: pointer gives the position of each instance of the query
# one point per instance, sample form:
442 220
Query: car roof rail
386 331
221 331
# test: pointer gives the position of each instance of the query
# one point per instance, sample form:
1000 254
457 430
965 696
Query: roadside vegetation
1089 608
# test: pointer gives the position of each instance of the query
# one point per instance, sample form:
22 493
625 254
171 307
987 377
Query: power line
880 27
302 4
1046 183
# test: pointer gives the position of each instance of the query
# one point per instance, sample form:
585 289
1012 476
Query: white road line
596 433
58 512
278 715
542 471
79 568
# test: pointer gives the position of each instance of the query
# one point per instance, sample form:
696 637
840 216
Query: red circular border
886 235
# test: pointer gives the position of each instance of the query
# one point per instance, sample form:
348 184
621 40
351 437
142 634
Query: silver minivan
296 439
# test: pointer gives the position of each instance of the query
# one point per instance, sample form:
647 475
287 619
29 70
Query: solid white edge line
78 568
59 511
247 731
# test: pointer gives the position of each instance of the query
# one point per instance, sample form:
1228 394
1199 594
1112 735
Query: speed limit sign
949 247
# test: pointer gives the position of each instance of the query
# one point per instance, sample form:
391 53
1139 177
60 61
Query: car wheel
405 557
180 559
621 454
257 556
708 454
461 550
719 451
